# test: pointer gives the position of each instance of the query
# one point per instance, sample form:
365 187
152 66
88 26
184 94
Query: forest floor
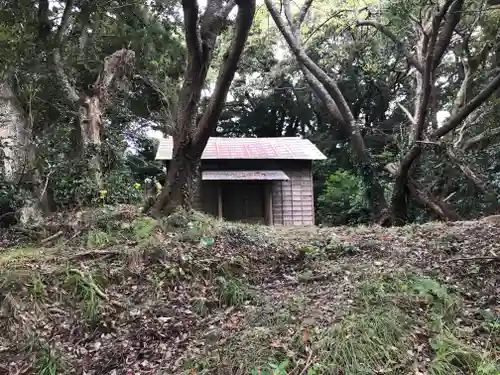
108 291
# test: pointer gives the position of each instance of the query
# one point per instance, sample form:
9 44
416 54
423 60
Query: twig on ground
8 214
308 364
29 232
51 238
90 283
98 253
471 259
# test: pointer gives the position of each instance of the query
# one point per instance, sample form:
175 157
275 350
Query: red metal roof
285 148
243 175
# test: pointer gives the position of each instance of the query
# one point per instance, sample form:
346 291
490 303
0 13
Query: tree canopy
402 96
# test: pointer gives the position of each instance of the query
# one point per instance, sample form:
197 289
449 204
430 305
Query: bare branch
452 122
475 103
304 59
317 28
303 12
407 113
481 139
68 88
288 14
322 94
385 30
244 19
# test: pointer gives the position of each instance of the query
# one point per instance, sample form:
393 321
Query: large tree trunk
190 137
433 203
14 134
181 183
90 106
434 38
20 164
327 90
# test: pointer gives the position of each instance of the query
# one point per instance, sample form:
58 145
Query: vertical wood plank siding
292 200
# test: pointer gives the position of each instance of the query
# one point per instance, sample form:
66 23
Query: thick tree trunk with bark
20 163
327 90
425 198
190 137
89 106
434 39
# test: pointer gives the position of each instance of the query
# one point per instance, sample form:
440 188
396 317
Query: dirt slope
117 293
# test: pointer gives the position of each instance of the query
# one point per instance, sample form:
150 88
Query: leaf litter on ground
191 294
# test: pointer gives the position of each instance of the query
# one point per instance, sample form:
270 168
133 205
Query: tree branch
322 94
61 30
407 113
469 173
453 18
44 25
207 123
453 121
482 139
304 59
475 103
190 9
68 88
303 12
385 30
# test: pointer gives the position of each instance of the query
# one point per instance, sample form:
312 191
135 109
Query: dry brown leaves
159 317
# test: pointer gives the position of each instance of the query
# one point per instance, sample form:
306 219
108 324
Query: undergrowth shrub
143 227
11 201
342 200
77 188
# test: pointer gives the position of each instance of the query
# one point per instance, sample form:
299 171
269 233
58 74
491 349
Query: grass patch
452 356
87 291
36 288
143 228
47 362
365 343
232 291
96 239
377 336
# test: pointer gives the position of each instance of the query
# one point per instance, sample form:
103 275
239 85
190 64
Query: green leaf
207 241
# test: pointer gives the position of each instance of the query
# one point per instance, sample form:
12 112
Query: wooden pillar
219 200
268 203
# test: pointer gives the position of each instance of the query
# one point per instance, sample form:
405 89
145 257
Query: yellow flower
102 193
137 186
